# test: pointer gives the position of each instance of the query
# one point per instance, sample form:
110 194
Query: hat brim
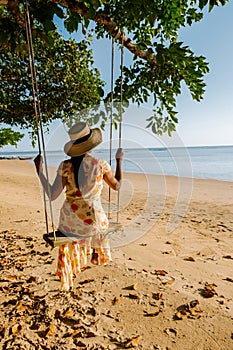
75 150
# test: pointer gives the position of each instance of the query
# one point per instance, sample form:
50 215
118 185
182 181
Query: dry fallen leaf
31 279
77 295
160 272
190 258
68 313
194 303
11 278
132 286
157 296
116 301
134 296
209 290
76 332
152 314
223 302
21 307
170 280
188 310
133 342
22 259
228 279
87 281
171 330
181 315
50 330
16 328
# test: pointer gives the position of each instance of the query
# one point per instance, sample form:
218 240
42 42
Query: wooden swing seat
58 238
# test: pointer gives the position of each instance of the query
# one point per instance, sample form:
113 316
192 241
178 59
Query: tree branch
13 8
100 17
120 36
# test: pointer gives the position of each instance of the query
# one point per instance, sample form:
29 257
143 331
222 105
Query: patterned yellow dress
82 215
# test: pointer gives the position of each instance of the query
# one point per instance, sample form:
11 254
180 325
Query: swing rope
40 133
37 110
111 123
120 122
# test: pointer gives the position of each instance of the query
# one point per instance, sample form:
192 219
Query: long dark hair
79 173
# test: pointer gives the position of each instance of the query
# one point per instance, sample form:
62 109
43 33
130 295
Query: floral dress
82 216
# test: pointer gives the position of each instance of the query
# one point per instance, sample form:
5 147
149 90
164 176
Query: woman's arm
115 181
59 183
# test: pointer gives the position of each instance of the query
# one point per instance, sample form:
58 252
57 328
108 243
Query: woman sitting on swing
82 214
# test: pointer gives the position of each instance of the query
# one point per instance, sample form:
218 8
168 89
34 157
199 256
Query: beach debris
168 280
78 295
16 328
190 258
68 313
51 330
116 301
160 272
9 278
181 315
143 244
133 342
188 310
31 279
40 294
170 331
209 290
75 332
224 301
228 279
167 252
32 311
153 313
157 296
134 296
109 314
86 281
228 257
132 286
20 308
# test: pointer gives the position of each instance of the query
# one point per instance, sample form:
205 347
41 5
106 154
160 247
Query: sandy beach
169 286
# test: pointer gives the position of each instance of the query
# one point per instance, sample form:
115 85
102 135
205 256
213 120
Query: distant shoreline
15 158
208 162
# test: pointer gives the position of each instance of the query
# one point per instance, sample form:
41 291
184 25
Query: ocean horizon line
125 148
200 162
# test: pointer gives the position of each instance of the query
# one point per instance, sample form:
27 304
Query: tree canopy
147 28
9 137
66 81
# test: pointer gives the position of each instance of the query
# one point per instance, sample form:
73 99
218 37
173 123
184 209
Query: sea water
204 162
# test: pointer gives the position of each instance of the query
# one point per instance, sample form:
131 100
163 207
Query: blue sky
209 122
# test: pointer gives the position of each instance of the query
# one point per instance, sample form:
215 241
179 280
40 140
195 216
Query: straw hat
82 139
